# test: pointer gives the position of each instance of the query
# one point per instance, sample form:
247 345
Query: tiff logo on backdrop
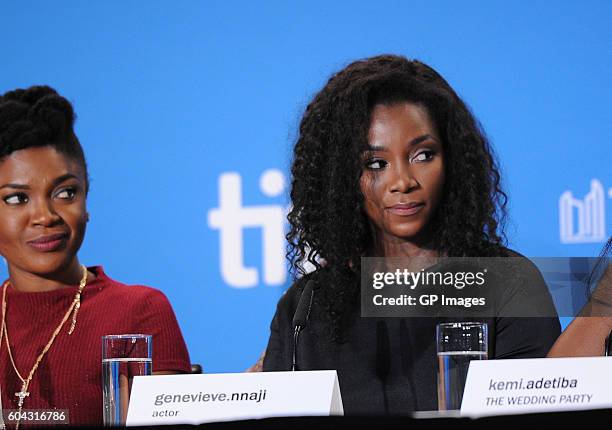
583 220
231 217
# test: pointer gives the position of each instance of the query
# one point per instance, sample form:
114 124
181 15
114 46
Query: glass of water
123 357
458 343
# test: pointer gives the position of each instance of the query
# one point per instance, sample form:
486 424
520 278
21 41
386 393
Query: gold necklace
75 306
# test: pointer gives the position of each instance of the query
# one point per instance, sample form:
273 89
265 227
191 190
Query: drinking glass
458 344
123 357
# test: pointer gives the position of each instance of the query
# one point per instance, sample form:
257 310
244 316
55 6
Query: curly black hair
328 225
38 116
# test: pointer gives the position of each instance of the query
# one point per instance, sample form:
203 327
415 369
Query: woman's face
42 210
403 174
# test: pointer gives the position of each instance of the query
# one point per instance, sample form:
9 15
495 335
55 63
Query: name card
495 387
195 399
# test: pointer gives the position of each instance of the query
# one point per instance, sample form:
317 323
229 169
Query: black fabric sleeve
275 351
527 325
278 351
525 337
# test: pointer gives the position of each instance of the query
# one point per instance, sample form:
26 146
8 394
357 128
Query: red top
70 374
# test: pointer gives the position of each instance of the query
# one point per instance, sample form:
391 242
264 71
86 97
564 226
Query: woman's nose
403 180
44 214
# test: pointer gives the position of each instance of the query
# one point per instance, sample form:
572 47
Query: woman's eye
66 193
375 164
16 199
423 156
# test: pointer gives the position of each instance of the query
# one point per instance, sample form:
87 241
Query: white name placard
195 399
495 387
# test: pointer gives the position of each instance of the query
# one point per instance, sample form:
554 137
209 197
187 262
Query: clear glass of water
458 344
123 357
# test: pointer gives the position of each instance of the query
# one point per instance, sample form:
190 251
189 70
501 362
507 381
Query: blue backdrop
188 110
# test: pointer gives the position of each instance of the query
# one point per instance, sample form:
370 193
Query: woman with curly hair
54 309
389 162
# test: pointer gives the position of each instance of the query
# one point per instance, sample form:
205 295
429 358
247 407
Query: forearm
586 334
584 337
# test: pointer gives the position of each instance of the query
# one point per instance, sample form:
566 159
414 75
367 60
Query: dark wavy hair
38 116
328 225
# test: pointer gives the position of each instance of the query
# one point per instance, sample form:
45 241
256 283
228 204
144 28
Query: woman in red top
55 310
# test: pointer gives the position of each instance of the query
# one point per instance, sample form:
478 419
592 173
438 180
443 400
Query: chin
408 233
49 265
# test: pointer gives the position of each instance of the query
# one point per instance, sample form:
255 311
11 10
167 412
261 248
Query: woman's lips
49 243
406 209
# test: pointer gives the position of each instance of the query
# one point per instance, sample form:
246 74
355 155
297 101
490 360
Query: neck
28 282
395 247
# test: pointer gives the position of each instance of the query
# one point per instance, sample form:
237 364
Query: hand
258 366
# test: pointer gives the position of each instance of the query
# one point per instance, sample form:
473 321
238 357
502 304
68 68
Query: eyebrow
413 142
56 182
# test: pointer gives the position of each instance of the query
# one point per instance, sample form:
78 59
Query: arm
156 317
277 356
585 335
527 324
